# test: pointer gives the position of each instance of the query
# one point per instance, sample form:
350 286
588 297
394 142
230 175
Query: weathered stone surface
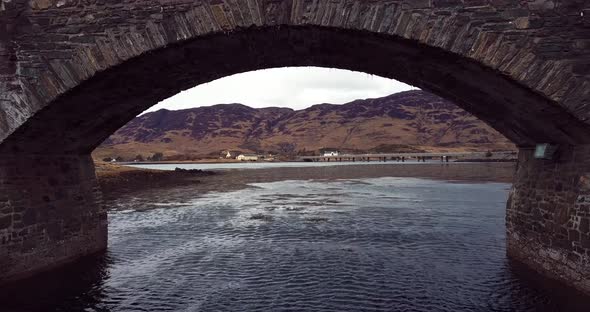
72 72
521 66
548 215
48 222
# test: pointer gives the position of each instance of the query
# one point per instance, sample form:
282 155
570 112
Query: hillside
412 119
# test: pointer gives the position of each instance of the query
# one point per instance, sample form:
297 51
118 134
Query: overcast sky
294 87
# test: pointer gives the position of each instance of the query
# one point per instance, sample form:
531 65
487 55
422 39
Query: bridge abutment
548 215
50 213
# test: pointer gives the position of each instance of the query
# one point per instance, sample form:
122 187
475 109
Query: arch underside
78 121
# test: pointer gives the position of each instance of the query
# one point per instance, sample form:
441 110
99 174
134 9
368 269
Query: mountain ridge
411 118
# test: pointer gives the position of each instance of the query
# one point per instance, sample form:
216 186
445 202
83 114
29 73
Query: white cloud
294 87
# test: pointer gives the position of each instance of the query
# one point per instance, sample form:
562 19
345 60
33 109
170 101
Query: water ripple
383 244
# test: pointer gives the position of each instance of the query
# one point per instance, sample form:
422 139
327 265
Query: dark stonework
548 215
535 86
89 113
74 71
50 213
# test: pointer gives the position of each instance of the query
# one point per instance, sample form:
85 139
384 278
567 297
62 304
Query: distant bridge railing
423 156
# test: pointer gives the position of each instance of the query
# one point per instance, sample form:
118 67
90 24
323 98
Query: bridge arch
72 72
491 57
85 115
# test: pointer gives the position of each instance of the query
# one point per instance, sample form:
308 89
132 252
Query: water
370 244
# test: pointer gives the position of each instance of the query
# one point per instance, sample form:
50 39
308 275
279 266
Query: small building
249 157
229 154
331 153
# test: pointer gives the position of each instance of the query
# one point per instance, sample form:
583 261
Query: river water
362 244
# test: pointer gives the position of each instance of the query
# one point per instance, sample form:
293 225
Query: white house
248 157
331 153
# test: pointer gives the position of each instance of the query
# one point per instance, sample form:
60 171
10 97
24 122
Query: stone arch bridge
74 71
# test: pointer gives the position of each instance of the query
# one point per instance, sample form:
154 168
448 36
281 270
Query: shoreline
118 182
215 161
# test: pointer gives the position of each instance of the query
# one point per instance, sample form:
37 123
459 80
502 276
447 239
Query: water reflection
75 287
373 244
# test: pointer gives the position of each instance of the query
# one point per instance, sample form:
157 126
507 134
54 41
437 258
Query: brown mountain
414 118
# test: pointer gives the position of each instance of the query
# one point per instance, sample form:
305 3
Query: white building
331 153
248 157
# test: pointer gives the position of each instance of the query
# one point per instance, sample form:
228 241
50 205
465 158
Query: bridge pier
51 213
548 215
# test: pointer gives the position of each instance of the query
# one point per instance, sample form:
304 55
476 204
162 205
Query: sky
294 87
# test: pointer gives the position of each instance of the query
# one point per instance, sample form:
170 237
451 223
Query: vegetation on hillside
407 121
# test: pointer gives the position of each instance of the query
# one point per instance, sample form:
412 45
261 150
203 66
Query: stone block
5 222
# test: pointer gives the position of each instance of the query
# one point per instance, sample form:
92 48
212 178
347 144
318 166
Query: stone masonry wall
535 52
50 213
548 215
49 47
